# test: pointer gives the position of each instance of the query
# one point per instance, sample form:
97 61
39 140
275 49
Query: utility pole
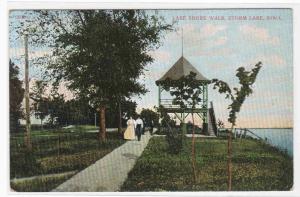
27 107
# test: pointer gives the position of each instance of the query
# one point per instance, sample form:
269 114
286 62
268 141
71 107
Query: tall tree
16 95
237 96
103 53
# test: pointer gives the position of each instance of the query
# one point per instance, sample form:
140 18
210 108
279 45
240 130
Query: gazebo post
183 125
205 107
207 113
159 92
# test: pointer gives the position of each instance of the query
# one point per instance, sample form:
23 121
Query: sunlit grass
256 167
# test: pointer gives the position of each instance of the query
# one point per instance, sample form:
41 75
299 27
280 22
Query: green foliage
69 161
16 94
220 124
102 53
75 111
238 95
190 126
40 104
61 112
166 120
186 90
128 110
175 142
72 112
56 105
150 117
246 80
257 167
174 137
26 163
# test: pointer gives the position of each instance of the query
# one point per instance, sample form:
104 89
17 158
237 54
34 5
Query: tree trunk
229 164
120 119
193 152
102 128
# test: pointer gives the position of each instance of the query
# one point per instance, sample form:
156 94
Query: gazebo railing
168 103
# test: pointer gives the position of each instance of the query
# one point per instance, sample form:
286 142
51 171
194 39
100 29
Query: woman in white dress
129 133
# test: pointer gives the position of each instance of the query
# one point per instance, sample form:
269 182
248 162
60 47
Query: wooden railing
168 103
243 133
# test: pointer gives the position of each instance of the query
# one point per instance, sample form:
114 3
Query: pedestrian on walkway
129 132
144 126
151 127
139 126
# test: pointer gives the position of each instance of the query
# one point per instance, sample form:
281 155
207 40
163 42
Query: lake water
280 138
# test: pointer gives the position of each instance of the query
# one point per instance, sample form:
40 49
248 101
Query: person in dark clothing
151 127
144 126
139 127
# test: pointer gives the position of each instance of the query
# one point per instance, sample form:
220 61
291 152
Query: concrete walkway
108 173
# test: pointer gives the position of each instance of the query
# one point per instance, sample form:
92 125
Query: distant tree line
53 110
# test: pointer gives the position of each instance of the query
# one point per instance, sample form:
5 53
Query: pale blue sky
217 48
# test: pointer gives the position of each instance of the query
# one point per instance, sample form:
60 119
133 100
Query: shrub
175 142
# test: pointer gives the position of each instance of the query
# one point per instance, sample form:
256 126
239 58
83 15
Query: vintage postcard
140 100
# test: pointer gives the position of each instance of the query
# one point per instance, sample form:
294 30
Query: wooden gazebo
180 69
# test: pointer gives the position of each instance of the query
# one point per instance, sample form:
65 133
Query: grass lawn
256 167
55 131
55 152
40 184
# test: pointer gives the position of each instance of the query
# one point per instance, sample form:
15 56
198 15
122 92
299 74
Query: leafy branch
238 95
246 80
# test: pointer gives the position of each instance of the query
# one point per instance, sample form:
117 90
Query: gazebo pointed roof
180 69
